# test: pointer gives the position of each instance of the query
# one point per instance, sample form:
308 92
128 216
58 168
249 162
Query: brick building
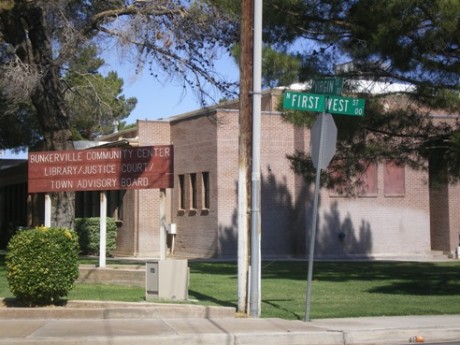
397 216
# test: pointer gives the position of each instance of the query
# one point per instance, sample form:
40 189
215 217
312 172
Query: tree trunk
28 30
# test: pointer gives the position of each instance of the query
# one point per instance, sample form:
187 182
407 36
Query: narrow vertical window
394 179
369 183
181 192
205 190
193 193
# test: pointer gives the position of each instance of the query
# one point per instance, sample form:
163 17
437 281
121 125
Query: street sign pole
312 243
323 142
325 97
314 218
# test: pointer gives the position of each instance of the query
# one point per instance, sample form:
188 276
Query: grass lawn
340 289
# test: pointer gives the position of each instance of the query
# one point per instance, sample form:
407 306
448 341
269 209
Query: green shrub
88 234
42 264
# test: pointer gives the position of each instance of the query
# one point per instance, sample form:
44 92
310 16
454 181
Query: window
394 179
181 195
205 190
193 193
344 183
368 181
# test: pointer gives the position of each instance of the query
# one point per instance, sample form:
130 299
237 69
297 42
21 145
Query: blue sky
162 99
154 99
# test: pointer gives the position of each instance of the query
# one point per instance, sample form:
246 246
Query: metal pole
314 223
312 244
255 298
47 210
103 229
163 224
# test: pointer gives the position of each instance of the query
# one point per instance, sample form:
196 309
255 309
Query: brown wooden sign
101 169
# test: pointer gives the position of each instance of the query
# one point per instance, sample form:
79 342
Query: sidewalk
123 324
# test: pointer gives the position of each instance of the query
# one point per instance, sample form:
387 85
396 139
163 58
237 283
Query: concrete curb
128 275
228 331
399 336
394 329
194 339
117 310
167 332
200 339
125 323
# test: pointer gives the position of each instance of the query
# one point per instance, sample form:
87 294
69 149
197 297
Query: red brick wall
445 206
454 216
195 149
379 225
283 193
139 235
282 216
227 171
445 218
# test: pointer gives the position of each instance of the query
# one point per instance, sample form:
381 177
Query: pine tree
39 39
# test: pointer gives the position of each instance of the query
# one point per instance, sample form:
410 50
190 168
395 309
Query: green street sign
345 105
327 86
303 101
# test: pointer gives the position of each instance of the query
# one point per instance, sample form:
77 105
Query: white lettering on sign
134 182
56 157
136 167
61 185
337 105
79 170
305 101
101 169
324 86
97 169
147 152
109 154
97 183
56 171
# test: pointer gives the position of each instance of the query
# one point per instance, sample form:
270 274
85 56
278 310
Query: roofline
210 110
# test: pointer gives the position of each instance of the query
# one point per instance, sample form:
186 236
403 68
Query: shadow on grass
411 278
279 306
340 270
12 302
421 288
365 271
219 268
206 298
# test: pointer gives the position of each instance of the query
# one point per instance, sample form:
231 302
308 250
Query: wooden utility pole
245 149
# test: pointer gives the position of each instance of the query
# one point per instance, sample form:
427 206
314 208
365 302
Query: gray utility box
167 279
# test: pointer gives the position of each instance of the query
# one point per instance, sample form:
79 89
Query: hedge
42 264
88 230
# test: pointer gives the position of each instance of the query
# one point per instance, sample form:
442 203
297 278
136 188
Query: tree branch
132 10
